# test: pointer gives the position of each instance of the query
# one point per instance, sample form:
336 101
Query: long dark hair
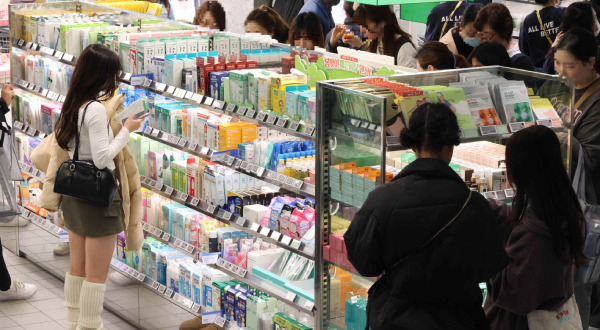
308 24
578 14
431 127
271 21
438 55
378 14
217 11
491 53
95 73
535 167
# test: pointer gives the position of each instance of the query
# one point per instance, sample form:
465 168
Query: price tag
227 215
166 236
179 92
126 76
261 116
294 126
193 146
155 285
155 133
169 190
170 89
250 113
295 244
259 171
229 160
275 235
282 122
148 130
18 124
174 139
230 107
281 178
208 101
234 268
510 193
220 321
21 42
204 151
241 272
244 165
169 293
158 232
63 98
488 130
31 131
182 143
188 95
515 127
195 201
237 163
265 231
28 44
158 185
286 240
297 184
242 111
165 136
34 46
255 227
309 305
178 242
68 57
309 130
196 97
290 296
147 82
160 87
196 308
189 248
211 209
221 263
545 122
161 288
145 226
271 119
228 265
218 104
241 221
289 181
130 271
183 197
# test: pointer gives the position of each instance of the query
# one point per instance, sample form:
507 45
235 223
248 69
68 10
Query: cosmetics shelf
229 325
172 241
32 172
288 183
39 91
19 126
156 287
44 51
246 114
352 271
228 218
288 297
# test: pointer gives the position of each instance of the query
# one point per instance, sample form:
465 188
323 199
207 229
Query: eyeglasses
486 35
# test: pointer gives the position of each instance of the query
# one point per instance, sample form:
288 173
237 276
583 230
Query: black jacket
438 287
533 41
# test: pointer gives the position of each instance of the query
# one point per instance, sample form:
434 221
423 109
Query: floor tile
57 314
43 294
45 326
6 322
17 309
31 318
48 303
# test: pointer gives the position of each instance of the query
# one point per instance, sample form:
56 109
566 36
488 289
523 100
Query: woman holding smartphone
92 228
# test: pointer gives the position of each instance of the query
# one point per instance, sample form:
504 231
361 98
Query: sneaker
18 290
61 249
120 279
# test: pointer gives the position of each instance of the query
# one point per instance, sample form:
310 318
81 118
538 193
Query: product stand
368 139
148 304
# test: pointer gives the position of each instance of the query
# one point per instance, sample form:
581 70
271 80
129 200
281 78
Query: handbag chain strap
76 153
415 251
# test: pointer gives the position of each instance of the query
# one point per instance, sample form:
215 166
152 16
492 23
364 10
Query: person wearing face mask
211 15
461 40
578 14
575 58
321 8
495 23
380 25
306 32
539 30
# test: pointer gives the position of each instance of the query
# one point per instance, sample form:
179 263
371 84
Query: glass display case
358 138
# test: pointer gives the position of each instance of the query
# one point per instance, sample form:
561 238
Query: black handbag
83 180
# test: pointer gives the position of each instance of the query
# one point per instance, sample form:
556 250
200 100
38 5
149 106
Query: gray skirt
91 220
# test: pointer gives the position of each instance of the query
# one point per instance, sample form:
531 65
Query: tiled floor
45 309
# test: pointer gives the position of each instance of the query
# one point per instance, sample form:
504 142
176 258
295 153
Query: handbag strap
76 153
542 26
418 249
449 18
595 86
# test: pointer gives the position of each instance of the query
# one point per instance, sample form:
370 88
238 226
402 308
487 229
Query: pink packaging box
336 241
326 253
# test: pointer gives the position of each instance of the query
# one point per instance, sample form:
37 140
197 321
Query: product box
238 85
216 79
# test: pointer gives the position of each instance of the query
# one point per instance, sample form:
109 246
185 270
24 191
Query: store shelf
262 118
279 293
44 51
156 287
41 222
32 172
39 91
172 241
228 218
219 157
351 271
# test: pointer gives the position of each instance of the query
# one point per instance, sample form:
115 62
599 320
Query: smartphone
143 116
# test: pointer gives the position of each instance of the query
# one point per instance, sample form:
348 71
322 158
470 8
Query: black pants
4 275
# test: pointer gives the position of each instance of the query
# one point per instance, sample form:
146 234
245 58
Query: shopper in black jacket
436 287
